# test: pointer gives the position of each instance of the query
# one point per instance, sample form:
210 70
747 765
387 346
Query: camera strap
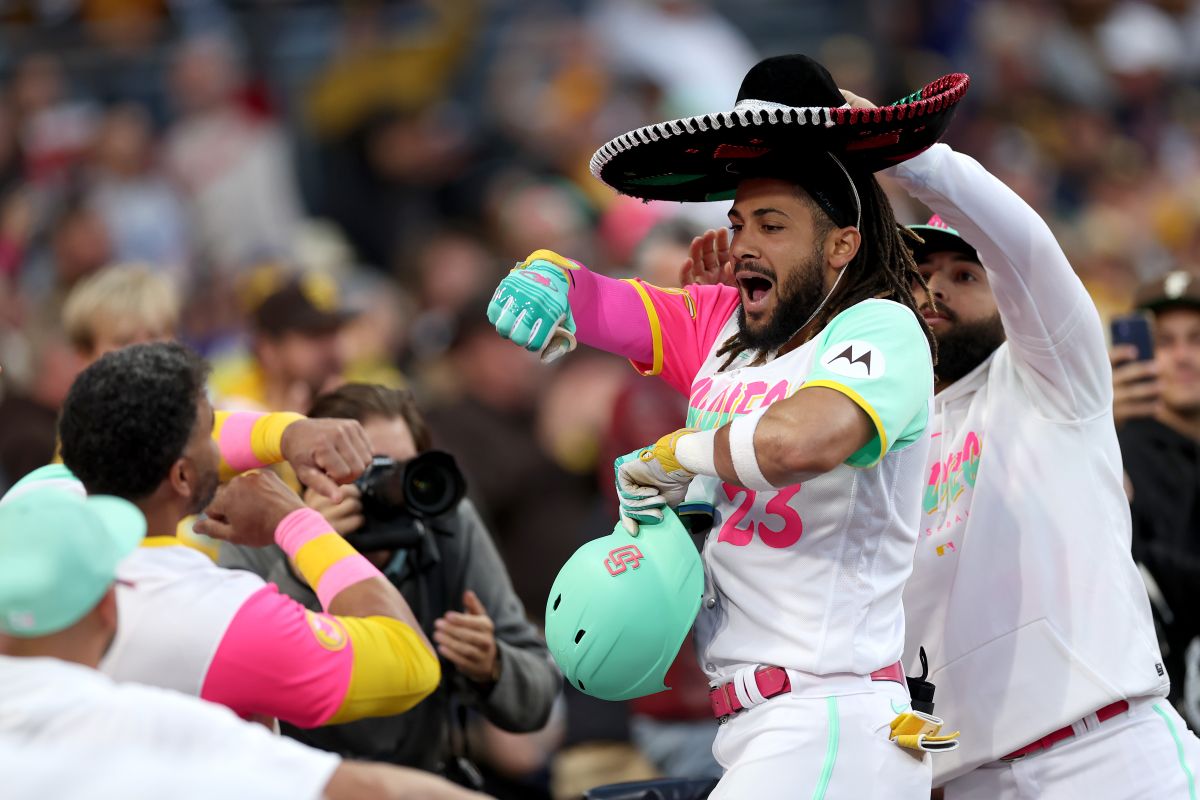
437 593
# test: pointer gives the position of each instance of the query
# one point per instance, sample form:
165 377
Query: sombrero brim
939 240
696 159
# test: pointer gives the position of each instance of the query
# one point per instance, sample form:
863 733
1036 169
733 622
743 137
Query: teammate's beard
965 345
208 481
797 298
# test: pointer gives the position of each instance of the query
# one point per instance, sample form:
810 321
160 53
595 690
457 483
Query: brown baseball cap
1180 288
305 304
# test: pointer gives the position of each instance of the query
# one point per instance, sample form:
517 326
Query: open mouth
755 289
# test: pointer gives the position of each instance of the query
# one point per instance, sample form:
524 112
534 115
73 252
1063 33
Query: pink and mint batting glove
530 306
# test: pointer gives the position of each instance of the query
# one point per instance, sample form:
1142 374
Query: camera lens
432 484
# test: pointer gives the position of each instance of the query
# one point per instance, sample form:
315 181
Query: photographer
406 514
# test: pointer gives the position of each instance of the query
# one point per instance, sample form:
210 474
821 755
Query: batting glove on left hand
649 479
531 308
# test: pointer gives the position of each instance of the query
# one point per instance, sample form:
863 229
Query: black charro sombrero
788 109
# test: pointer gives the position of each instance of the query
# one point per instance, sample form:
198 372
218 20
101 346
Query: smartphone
1134 329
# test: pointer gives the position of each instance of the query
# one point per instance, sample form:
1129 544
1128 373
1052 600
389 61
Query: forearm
789 442
345 583
1036 289
249 440
521 701
357 779
611 315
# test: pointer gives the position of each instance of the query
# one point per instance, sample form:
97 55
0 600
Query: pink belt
774 681
1053 738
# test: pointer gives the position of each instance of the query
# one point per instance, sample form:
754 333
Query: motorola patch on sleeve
854 359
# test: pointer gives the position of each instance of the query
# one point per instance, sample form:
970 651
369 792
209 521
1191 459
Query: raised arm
323 452
366 656
548 301
1053 328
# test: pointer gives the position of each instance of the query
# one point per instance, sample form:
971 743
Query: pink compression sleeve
610 315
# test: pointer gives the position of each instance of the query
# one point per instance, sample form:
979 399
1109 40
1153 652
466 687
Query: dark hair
363 401
883 267
128 417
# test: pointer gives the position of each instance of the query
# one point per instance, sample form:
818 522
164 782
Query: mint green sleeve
876 354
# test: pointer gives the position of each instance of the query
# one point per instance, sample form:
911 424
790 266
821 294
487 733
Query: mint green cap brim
50 476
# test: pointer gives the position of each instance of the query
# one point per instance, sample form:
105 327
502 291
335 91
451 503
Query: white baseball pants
1147 753
820 748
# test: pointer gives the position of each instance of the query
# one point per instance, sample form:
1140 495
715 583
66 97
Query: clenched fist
326 452
248 509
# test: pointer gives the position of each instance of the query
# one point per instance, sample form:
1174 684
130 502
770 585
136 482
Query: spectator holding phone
1156 404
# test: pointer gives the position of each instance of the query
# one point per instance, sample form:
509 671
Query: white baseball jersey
177 599
1024 593
808 577
52 703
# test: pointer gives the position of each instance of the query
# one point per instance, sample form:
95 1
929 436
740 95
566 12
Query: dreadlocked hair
883 268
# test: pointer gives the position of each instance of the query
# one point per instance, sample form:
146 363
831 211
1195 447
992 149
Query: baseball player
809 390
1024 594
137 424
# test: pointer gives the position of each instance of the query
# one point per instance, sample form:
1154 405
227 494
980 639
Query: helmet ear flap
621 607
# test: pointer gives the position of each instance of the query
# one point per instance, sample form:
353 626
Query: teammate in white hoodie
1024 594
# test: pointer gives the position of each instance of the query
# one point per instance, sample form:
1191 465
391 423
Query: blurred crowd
316 193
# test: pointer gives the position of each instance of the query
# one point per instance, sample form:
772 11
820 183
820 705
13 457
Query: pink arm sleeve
666 332
279 659
609 315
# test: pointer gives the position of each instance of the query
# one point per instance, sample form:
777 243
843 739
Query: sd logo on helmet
621 607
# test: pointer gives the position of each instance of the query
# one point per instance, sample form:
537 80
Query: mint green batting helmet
621 607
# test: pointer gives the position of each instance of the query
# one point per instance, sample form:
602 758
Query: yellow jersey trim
862 403
161 541
655 330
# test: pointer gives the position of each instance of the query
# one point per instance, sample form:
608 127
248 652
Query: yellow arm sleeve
392 670
248 440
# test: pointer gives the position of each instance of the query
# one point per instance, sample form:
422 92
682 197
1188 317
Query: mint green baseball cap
938 237
51 475
59 555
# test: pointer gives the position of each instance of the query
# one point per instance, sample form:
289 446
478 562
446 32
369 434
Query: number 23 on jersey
738 531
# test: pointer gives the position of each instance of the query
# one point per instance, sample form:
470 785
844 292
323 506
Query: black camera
398 497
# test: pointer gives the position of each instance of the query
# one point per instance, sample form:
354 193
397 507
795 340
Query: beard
965 345
796 299
206 490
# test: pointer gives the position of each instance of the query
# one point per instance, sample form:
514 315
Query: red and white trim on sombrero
743 115
943 92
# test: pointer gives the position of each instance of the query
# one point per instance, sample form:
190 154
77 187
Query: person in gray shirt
435 549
